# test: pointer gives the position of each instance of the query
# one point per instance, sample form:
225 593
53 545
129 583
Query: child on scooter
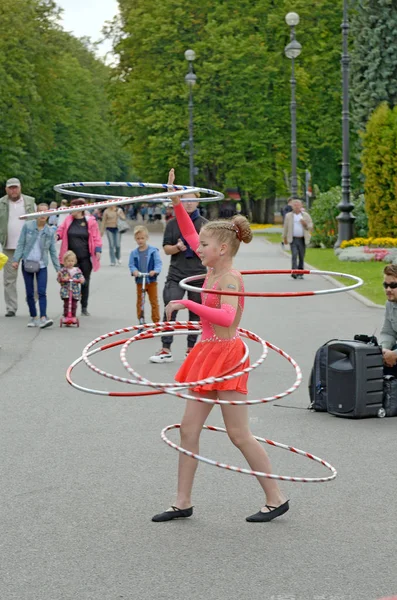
145 259
70 276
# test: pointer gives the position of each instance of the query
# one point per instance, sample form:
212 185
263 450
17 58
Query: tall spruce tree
373 57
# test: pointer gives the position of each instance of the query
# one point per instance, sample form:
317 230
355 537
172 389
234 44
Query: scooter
143 298
69 320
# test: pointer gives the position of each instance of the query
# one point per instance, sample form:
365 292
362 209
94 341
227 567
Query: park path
82 475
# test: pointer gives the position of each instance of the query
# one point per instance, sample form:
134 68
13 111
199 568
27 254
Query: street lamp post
190 79
292 51
345 218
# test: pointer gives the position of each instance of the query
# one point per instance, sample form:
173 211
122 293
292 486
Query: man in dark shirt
184 263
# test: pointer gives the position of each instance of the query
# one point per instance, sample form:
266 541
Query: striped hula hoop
108 200
215 463
152 330
185 284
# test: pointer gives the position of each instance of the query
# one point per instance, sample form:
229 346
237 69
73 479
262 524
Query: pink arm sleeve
186 226
223 316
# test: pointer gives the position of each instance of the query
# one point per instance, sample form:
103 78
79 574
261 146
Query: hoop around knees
215 463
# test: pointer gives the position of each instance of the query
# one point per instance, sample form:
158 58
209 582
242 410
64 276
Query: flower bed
371 242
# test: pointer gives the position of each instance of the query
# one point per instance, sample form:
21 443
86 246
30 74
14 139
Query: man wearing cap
12 206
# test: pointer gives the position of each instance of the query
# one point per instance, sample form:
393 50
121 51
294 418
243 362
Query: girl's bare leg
237 426
195 415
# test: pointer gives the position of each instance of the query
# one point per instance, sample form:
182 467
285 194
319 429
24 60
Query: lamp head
190 55
293 49
190 79
292 19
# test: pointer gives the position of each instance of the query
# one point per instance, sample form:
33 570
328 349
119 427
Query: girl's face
210 249
69 262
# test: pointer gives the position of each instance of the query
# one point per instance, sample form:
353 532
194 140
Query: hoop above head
185 284
108 200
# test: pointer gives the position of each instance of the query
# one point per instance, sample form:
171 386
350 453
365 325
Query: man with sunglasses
388 334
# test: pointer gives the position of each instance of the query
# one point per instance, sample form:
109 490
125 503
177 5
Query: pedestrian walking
71 279
298 226
36 241
80 233
12 206
110 219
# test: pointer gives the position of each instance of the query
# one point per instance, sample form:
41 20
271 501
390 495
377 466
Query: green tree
241 101
373 57
379 159
56 123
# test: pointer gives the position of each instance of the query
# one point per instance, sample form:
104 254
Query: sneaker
112 264
10 313
45 322
162 356
34 322
85 312
119 262
187 351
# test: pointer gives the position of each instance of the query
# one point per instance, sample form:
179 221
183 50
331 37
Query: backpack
318 380
389 397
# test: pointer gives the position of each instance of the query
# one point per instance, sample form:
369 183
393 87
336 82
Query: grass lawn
325 260
370 272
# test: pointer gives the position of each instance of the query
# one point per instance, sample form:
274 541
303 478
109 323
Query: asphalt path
82 475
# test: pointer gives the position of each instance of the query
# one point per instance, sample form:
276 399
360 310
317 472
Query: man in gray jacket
12 206
388 334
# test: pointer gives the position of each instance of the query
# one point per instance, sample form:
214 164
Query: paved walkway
81 475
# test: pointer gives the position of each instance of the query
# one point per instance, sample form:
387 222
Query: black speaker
354 379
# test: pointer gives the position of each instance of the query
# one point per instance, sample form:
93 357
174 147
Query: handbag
122 225
31 266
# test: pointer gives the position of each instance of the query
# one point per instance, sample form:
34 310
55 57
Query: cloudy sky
87 17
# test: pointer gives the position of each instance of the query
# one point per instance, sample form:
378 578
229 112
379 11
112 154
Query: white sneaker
34 322
162 356
44 322
119 262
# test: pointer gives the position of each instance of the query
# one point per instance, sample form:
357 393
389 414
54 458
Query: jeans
298 249
114 239
173 291
41 279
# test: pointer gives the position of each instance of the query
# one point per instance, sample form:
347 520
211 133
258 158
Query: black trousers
86 267
298 249
173 291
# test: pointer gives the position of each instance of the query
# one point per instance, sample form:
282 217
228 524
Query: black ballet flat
265 517
175 513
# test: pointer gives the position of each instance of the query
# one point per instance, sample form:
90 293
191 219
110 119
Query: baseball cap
13 181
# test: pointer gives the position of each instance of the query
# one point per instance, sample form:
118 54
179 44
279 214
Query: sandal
273 513
175 513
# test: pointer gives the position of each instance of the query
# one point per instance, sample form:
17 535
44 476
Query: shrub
324 212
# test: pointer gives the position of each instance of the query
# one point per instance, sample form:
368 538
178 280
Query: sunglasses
392 285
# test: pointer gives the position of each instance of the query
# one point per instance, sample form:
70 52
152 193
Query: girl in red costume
219 349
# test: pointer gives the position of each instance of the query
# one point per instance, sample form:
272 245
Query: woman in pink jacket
81 234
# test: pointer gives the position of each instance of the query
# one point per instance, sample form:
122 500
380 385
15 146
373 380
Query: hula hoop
184 283
215 463
178 190
178 328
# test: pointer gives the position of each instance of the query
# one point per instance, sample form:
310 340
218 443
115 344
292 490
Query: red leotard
220 348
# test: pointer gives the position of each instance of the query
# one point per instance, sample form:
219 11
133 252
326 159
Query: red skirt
214 359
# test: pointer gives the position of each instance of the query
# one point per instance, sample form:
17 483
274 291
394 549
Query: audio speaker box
354 379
